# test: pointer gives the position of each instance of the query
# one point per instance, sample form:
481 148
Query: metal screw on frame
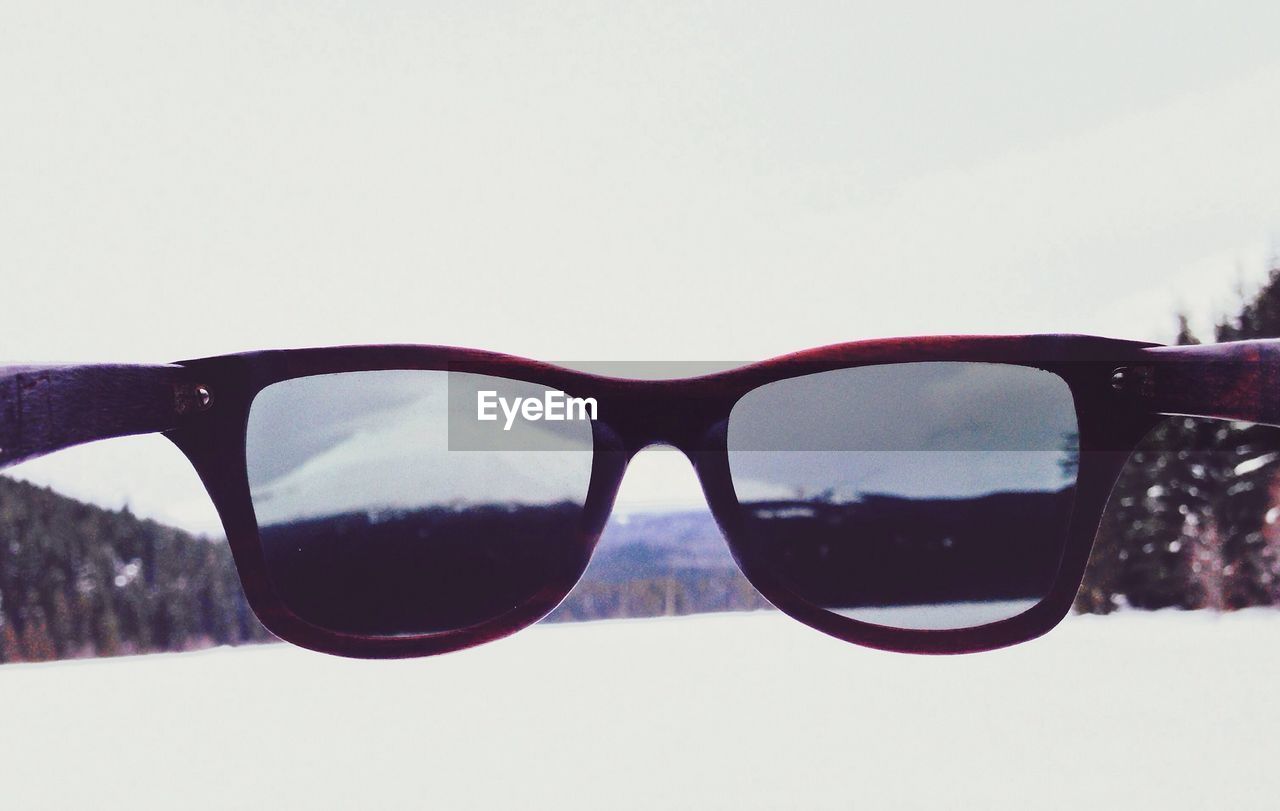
193 398
1120 379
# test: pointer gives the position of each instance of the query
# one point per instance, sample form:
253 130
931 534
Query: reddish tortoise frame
1121 389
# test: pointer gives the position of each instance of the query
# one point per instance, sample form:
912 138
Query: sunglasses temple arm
47 408
1229 381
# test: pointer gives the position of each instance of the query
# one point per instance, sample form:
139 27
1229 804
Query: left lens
915 495
373 524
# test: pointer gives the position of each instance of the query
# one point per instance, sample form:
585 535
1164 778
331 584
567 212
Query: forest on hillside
1193 522
77 581
1194 519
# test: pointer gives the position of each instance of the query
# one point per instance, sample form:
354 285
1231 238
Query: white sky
701 181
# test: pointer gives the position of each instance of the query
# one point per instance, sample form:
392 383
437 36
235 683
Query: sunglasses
922 495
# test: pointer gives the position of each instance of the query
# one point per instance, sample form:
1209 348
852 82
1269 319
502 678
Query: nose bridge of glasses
656 477
674 416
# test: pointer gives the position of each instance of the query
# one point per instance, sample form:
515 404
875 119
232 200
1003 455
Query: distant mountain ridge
78 580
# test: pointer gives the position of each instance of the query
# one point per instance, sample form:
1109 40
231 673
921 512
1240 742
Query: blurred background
713 182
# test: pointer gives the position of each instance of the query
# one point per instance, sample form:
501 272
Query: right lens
372 523
915 495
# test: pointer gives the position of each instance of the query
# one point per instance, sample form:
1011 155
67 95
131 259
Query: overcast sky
702 181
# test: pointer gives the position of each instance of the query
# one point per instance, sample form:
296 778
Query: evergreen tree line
687 591
1194 520
77 581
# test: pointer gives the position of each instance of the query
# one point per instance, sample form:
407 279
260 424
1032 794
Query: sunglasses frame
1121 389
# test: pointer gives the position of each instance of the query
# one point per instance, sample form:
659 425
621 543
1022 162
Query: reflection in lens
916 495
372 524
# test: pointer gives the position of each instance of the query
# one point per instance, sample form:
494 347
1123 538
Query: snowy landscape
1136 710
709 184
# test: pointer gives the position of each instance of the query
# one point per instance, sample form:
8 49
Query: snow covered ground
725 711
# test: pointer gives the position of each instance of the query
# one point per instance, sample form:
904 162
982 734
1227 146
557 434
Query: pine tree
35 642
77 579
1190 521
10 647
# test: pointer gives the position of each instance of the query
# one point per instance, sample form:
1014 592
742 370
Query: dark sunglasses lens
914 496
374 522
